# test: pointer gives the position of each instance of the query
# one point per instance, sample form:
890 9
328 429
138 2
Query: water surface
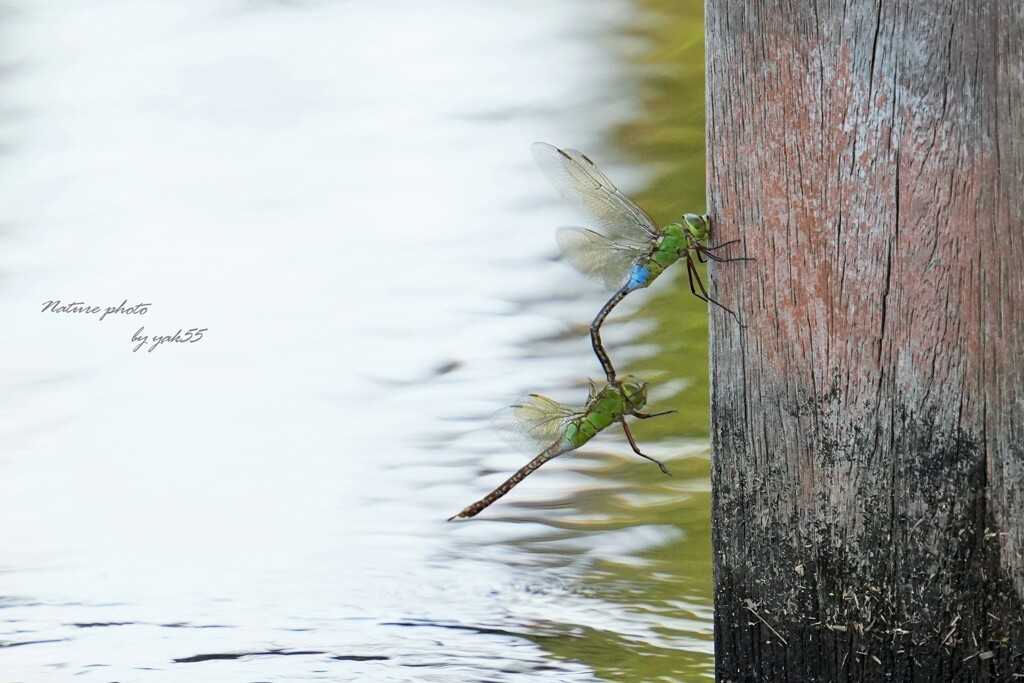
342 194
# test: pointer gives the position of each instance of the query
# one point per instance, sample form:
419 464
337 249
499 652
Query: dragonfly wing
599 258
534 422
588 165
592 195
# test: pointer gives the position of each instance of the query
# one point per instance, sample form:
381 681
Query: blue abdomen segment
638 277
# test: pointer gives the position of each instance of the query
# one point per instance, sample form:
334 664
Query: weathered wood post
868 424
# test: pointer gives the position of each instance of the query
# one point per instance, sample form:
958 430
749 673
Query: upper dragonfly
555 428
635 251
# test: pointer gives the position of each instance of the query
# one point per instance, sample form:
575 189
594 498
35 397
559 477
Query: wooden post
868 424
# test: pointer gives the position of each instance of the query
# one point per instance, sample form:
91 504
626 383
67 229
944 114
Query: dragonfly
635 251
557 428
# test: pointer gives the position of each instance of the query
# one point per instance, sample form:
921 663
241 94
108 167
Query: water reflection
347 201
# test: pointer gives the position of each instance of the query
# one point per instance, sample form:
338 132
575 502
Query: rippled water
342 193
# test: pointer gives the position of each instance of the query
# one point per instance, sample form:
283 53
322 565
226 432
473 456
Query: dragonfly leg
705 251
636 449
719 246
691 271
647 416
689 274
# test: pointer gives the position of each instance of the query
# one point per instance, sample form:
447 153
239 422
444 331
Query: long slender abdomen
555 449
595 332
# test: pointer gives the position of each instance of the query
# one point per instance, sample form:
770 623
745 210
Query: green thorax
606 406
668 250
677 239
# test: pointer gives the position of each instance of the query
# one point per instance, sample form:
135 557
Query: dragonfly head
634 391
697 226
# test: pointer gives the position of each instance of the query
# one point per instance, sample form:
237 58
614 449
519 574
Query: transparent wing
534 422
589 192
598 257
588 165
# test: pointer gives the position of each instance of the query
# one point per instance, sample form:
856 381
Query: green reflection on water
663 593
666 591
670 139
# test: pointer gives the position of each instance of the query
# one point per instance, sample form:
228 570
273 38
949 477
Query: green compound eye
699 226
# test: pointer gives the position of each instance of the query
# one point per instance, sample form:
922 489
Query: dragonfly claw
647 416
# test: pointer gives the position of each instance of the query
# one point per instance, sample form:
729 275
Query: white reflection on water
342 192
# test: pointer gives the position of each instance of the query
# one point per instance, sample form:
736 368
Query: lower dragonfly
558 428
635 251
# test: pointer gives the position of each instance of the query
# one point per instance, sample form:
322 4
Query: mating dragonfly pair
633 253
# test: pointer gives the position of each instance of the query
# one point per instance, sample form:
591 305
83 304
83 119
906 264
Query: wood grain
868 423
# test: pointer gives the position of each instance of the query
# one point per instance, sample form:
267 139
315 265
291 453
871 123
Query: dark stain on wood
868 423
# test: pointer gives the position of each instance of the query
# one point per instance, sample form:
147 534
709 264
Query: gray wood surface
868 423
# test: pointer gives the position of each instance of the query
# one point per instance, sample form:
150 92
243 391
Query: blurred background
342 193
